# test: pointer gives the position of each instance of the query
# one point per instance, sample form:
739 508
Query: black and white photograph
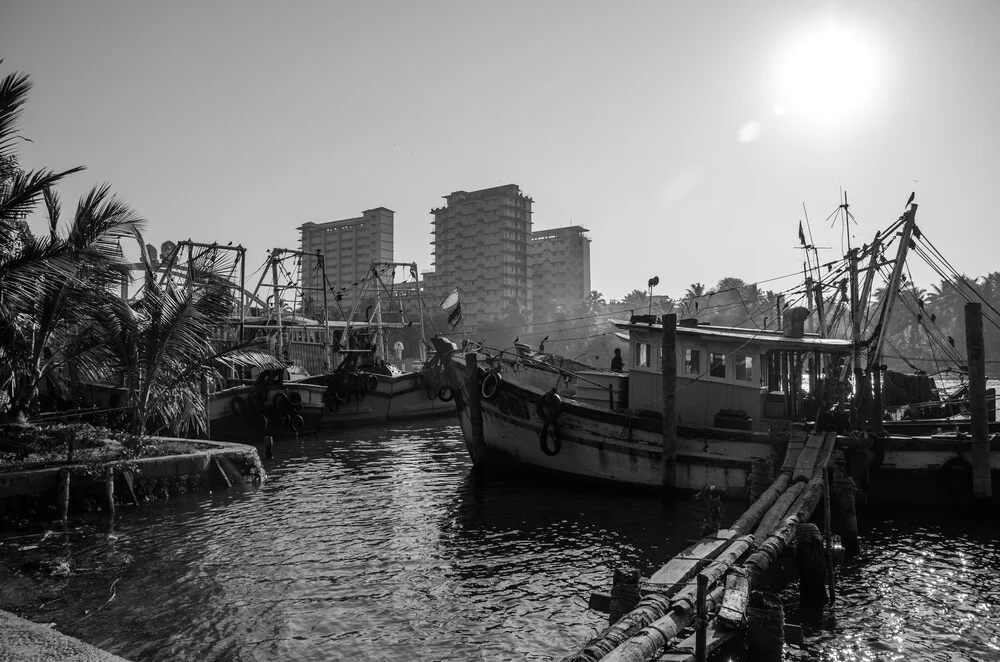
440 330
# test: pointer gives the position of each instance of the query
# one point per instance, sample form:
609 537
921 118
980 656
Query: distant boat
276 403
362 378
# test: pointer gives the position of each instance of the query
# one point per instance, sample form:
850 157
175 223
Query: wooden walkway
727 565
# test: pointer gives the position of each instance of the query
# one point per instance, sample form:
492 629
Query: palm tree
636 299
41 278
165 349
695 290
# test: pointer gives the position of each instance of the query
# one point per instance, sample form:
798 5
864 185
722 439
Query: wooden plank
805 467
685 599
678 571
733 610
684 651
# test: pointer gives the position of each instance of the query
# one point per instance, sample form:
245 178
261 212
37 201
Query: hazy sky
685 135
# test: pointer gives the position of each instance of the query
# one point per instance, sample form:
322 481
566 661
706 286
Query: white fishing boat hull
590 443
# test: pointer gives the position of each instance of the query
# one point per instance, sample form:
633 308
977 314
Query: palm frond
14 89
21 194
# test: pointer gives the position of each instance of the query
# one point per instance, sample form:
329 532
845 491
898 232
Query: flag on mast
455 316
450 300
802 235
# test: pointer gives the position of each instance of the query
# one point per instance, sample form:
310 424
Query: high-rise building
560 266
480 245
348 248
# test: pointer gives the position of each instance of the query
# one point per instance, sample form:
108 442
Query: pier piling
669 369
624 592
64 478
109 489
810 559
982 486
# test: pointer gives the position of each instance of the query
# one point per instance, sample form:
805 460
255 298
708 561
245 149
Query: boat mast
859 378
327 359
277 301
875 355
420 309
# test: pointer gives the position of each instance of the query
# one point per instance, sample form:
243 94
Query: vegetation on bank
64 322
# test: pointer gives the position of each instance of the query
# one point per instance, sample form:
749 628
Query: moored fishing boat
735 396
273 404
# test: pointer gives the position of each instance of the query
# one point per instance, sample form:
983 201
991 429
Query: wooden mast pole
669 369
875 360
327 358
277 301
859 378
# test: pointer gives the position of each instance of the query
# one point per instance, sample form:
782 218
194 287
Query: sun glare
828 74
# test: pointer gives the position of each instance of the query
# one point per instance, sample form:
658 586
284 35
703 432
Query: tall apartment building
348 248
480 245
560 264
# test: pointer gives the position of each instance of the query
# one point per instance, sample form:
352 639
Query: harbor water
378 544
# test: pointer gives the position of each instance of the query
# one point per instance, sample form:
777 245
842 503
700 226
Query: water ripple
381 545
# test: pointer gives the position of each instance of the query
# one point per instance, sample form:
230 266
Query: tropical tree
695 290
636 299
165 349
41 278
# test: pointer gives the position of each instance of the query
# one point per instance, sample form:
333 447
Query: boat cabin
734 377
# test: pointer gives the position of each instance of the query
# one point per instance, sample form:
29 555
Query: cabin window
692 361
717 365
643 354
744 368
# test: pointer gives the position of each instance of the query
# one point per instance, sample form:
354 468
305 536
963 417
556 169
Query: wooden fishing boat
364 377
736 392
272 405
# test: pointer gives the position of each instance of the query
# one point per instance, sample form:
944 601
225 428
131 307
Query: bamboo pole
701 652
752 516
669 370
982 484
658 634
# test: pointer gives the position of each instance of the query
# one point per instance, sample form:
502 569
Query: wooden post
669 369
811 562
982 485
701 633
269 447
765 628
476 441
109 489
624 593
828 533
64 494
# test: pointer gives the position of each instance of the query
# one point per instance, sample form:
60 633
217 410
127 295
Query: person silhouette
616 363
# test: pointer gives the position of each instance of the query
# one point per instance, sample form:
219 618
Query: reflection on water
380 545
925 588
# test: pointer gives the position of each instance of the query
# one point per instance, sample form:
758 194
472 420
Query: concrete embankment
25 641
103 483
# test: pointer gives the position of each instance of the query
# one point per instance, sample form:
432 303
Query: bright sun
828 74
